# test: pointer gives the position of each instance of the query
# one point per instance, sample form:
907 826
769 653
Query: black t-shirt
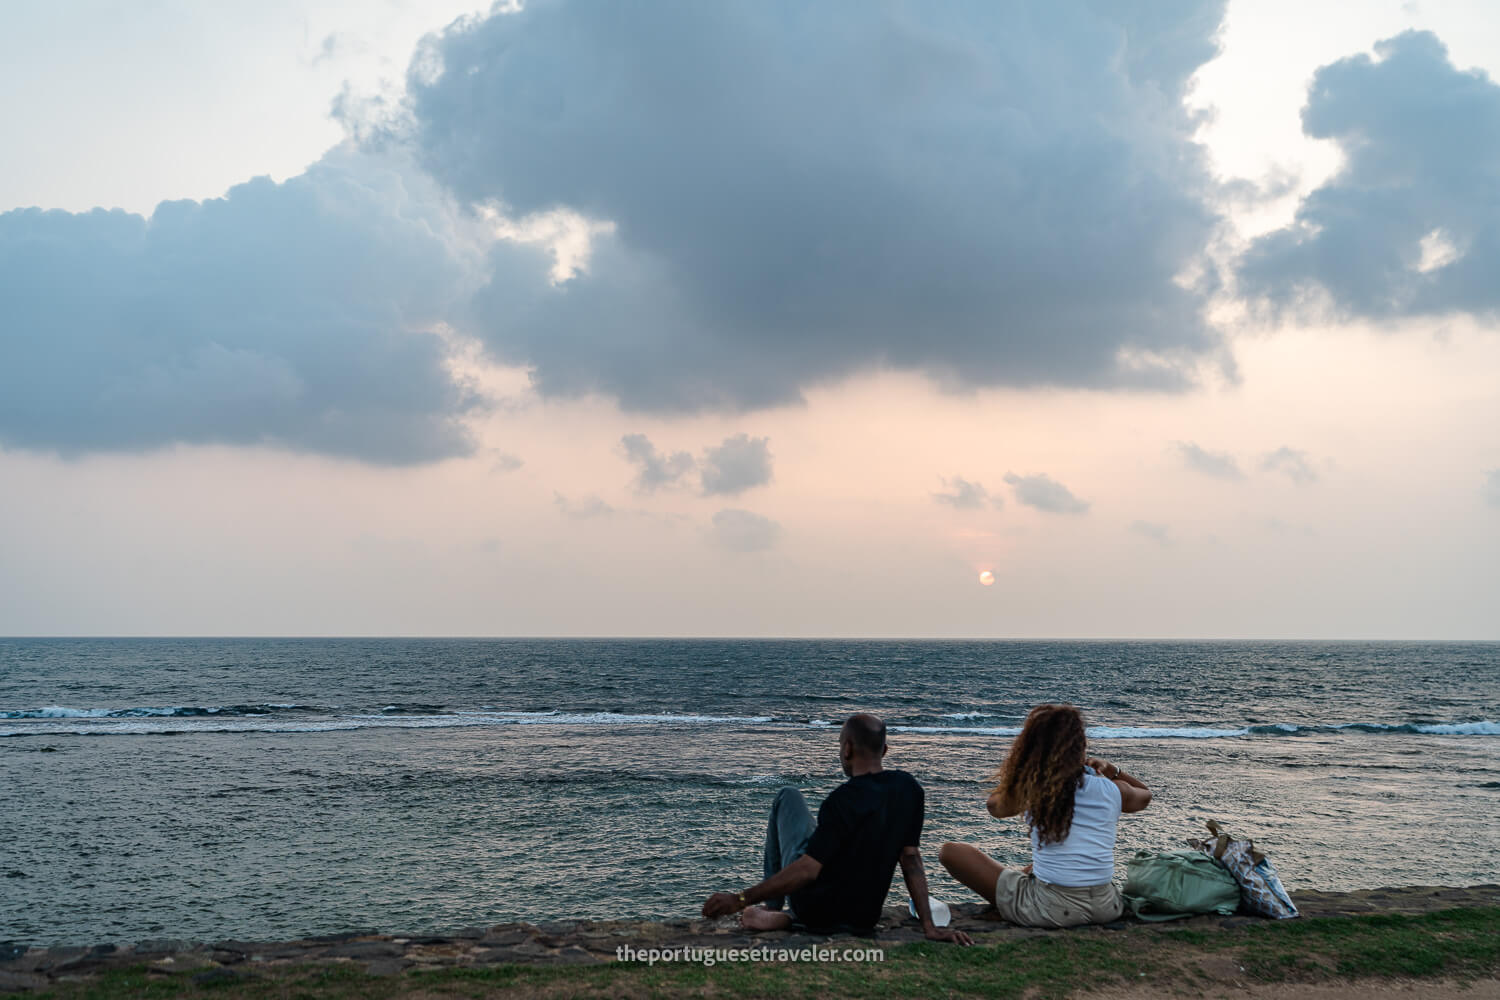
862 827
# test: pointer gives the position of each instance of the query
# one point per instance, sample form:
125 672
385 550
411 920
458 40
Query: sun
987 579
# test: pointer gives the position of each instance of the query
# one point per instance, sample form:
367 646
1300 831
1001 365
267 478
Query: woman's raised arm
1000 806
1134 795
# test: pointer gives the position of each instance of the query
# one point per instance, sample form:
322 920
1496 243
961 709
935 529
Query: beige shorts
1025 899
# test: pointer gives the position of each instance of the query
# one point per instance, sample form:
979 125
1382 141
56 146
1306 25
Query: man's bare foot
758 918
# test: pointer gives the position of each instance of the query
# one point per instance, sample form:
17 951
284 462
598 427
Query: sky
750 319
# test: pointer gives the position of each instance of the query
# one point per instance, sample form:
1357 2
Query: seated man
837 872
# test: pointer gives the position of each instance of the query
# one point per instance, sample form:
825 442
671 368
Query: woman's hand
1134 795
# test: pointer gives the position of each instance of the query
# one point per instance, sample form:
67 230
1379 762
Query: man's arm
797 875
916 884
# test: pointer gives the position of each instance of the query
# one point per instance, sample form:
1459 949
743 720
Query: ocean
261 788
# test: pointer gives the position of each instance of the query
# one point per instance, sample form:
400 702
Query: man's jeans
787 834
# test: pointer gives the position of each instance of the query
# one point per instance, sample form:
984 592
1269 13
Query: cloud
656 469
1046 494
333 46
1410 226
739 464
1157 533
1492 488
1293 463
502 461
590 506
987 193
1220 465
304 315
967 496
743 531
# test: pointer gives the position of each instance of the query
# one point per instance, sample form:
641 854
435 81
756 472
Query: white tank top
1086 856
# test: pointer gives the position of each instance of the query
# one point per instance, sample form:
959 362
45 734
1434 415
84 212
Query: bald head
865 734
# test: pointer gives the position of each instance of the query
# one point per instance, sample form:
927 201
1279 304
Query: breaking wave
57 720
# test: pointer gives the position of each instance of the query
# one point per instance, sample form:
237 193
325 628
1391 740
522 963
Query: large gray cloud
296 315
1410 226
990 193
1046 494
740 463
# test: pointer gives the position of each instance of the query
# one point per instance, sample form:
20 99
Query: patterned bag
1261 891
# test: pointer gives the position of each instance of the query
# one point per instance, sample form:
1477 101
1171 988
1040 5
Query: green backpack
1169 885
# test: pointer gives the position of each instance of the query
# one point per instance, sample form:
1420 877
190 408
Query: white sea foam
972 730
107 726
555 718
59 712
1094 732
1462 729
57 720
151 711
1485 728
1162 732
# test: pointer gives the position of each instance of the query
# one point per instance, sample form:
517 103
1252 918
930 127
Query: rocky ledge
590 941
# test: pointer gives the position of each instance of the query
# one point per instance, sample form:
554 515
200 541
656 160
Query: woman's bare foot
758 918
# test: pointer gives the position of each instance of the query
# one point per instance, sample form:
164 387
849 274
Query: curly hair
1044 768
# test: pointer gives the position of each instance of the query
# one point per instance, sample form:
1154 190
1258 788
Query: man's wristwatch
743 901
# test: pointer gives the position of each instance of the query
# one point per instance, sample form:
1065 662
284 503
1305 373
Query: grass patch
1454 944
1450 943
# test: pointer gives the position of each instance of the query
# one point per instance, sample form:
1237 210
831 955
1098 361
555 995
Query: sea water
208 789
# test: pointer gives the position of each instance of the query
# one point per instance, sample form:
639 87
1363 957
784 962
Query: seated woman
1071 803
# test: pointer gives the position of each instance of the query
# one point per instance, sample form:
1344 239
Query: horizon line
600 637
